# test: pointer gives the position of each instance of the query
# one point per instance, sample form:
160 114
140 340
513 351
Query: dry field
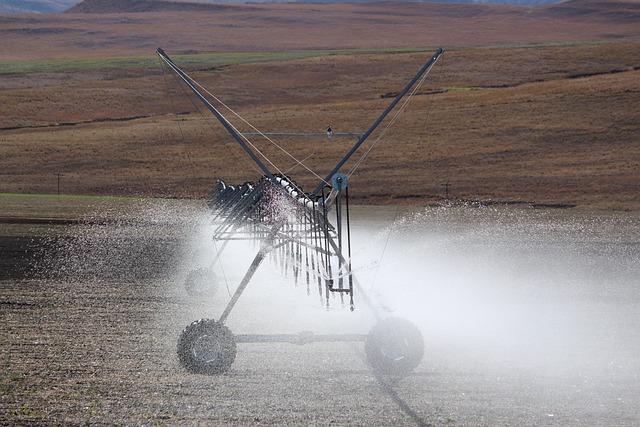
545 124
540 330
120 368
527 105
275 27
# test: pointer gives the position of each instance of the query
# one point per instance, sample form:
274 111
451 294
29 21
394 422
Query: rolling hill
37 6
48 6
528 104
137 6
116 28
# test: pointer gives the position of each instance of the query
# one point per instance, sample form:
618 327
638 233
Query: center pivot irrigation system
298 230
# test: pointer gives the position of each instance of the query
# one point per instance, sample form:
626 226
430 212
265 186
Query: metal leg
266 247
243 285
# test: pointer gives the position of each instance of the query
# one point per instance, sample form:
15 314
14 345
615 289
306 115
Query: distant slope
136 6
628 10
38 6
616 10
514 2
113 6
185 28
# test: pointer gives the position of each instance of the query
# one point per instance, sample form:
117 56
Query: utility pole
59 174
446 190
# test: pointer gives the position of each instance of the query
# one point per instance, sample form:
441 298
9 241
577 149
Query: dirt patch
100 349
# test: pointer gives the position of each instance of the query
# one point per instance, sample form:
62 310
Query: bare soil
104 353
101 350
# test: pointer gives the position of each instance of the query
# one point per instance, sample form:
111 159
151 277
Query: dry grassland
546 124
275 27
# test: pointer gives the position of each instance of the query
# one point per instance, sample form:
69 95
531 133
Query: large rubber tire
206 347
394 347
201 282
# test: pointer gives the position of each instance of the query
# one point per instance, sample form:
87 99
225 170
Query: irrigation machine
308 232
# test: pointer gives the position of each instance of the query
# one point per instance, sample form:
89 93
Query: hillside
527 104
38 6
553 124
114 6
623 11
137 6
98 33
102 6
129 6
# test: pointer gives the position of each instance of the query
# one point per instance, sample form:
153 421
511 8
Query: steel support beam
227 125
380 118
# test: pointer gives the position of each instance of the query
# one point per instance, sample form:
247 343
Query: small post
58 174
446 190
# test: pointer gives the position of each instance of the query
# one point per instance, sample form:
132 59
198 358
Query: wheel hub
207 348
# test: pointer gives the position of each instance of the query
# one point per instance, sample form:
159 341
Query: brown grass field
553 122
308 26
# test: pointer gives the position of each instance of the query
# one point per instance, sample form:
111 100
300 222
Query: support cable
299 162
392 121
241 135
